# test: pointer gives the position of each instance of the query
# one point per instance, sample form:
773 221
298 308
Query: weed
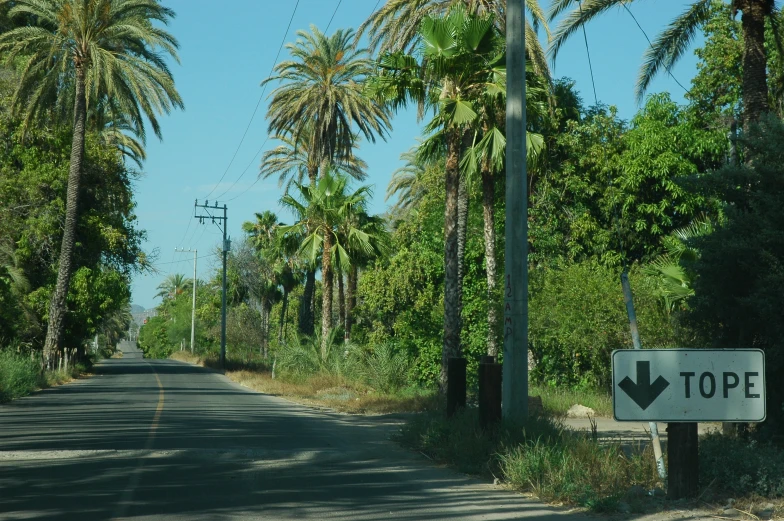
543 457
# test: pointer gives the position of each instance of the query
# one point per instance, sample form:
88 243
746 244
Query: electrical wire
266 139
669 71
590 65
256 109
333 15
199 257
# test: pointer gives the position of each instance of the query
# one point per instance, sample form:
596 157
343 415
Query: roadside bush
19 375
545 457
741 467
578 317
302 357
154 338
386 367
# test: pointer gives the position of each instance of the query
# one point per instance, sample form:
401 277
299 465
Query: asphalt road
160 439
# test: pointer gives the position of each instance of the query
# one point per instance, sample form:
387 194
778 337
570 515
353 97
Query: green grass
19 376
558 401
545 458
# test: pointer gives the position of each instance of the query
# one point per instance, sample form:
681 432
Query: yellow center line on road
158 411
136 474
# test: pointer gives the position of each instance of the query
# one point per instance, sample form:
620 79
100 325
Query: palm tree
318 106
372 231
406 183
292 161
670 45
324 207
76 52
459 52
173 286
395 26
485 158
279 255
321 99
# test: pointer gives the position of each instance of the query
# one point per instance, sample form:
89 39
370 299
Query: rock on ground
580 411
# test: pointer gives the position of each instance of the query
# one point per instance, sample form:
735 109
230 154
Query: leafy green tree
324 209
670 45
617 191
33 176
89 49
739 279
367 240
486 159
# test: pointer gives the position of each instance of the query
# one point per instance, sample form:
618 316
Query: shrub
303 357
578 317
386 367
741 467
544 457
19 375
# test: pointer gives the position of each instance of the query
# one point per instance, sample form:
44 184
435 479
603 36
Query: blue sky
228 48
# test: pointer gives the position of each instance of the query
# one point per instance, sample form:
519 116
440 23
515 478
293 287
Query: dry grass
322 390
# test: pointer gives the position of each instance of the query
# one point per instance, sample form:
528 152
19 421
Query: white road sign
689 385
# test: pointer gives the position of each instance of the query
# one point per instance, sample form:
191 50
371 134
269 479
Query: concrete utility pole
218 220
515 366
193 307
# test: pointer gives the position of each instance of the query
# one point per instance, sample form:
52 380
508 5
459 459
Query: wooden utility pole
218 221
515 363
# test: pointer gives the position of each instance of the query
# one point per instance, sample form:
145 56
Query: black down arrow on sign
643 392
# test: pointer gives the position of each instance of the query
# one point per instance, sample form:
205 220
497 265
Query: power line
590 65
266 139
256 109
333 15
200 257
669 71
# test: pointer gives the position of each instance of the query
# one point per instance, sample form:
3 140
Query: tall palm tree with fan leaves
669 46
395 25
460 55
322 211
75 53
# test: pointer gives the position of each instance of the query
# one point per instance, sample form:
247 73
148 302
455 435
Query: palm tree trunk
462 229
57 306
283 315
264 319
306 319
341 304
755 80
451 345
351 299
488 212
267 327
326 297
